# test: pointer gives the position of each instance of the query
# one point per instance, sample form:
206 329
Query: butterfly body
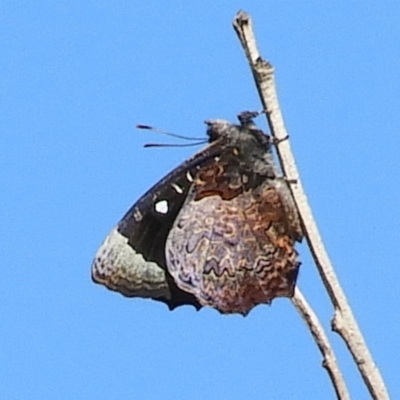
218 231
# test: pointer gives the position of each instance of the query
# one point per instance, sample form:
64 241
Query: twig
343 321
329 361
266 87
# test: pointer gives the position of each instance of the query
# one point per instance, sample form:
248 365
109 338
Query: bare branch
329 361
343 321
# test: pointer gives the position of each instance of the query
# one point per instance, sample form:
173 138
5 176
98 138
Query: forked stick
343 321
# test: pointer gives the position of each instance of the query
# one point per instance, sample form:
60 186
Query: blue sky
76 77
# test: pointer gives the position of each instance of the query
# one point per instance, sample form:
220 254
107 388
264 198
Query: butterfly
219 230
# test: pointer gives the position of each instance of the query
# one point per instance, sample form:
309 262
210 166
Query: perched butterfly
219 230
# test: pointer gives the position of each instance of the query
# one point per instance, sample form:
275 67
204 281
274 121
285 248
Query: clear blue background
75 78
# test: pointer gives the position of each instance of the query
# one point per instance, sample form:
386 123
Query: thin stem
329 361
343 321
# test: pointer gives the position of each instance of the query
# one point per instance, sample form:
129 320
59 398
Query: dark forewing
131 259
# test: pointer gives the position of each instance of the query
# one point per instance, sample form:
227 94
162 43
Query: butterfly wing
131 260
232 243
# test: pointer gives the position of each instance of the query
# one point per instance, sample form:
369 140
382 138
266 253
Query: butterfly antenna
175 145
151 128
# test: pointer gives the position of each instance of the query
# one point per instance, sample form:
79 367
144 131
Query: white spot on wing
177 188
137 215
189 176
161 207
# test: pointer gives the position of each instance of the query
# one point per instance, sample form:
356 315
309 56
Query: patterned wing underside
232 247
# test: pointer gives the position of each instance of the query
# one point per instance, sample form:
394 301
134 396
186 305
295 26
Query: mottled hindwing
232 243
